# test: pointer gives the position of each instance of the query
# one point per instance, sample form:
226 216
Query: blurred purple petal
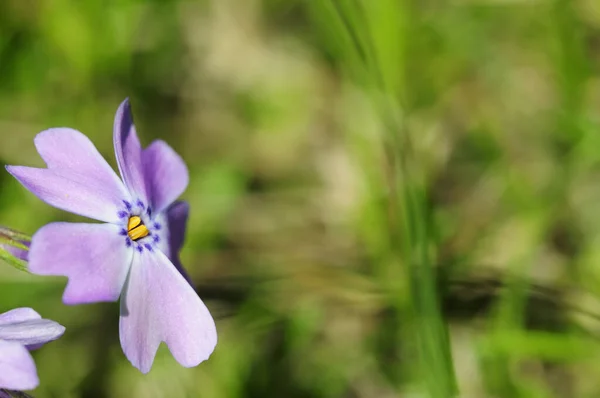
166 174
21 315
18 315
17 369
129 152
31 332
94 257
159 305
26 318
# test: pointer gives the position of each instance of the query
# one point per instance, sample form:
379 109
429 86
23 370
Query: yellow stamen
136 229
133 222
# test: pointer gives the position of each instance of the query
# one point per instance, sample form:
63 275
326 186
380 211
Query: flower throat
136 228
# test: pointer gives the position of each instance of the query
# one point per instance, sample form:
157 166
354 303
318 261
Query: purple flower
134 254
22 329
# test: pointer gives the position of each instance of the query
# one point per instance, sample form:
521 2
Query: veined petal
17 369
69 150
159 305
128 151
18 315
78 179
31 332
176 220
65 192
94 257
21 315
166 174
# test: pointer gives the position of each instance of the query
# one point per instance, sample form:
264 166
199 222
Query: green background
389 198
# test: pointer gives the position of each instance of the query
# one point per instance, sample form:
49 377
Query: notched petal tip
77 178
196 352
56 132
162 307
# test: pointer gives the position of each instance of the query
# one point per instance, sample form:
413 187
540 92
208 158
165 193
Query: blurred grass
375 185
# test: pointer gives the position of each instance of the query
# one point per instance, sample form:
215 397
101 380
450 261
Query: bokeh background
389 198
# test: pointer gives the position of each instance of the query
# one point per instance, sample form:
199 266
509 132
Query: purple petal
166 175
18 315
129 152
176 220
159 305
31 332
94 257
17 369
77 179
25 315
69 150
177 216
63 192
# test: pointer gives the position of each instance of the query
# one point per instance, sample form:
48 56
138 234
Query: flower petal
175 220
166 174
159 305
31 332
71 151
94 257
18 315
66 194
129 152
77 179
23 315
17 369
